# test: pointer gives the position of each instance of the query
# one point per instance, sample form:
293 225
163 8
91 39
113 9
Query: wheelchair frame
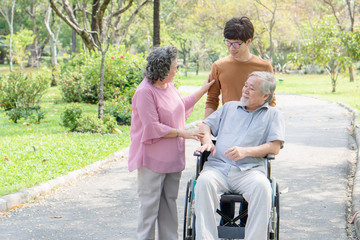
231 229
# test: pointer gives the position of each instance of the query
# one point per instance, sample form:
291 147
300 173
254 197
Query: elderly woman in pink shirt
157 148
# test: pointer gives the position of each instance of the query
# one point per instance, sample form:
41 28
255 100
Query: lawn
32 154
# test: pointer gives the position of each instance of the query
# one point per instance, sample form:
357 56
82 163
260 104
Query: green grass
320 86
32 154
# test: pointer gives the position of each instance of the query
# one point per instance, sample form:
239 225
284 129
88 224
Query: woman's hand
191 134
207 84
205 87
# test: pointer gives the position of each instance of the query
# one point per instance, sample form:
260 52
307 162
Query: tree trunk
10 47
351 73
73 38
52 46
101 85
156 40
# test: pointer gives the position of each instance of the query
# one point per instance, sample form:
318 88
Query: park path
312 171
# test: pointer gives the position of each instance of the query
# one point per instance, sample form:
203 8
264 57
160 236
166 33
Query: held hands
236 153
191 134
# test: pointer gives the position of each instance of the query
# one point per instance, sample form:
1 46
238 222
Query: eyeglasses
236 45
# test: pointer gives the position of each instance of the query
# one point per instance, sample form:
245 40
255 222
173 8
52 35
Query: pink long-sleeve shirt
155 111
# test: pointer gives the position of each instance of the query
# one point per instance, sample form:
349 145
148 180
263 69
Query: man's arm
238 153
207 144
208 112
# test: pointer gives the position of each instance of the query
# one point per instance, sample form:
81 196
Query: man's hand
210 147
236 153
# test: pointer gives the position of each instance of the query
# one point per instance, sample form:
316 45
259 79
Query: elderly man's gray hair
158 63
268 84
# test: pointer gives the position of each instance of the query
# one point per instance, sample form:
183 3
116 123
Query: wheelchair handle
197 153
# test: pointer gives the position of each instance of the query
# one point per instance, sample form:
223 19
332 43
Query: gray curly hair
158 63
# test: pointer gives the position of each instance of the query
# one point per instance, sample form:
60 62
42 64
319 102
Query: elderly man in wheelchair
246 132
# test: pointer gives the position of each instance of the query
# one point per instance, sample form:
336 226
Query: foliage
18 89
325 49
75 119
31 113
351 41
120 108
20 41
80 76
90 123
70 118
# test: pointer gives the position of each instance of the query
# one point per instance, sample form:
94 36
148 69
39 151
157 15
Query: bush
109 123
81 75
90 123
18 89
71 116
74 119
121 109
72 87
32 113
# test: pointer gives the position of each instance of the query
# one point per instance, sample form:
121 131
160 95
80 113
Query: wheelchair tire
277 204
189 216
274 225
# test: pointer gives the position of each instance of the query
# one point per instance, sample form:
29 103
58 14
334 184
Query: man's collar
241 105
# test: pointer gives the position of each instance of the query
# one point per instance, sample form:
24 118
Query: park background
68 69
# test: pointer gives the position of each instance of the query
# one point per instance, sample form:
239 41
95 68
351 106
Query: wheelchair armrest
270 157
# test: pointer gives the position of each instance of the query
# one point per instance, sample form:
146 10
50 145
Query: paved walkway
312 171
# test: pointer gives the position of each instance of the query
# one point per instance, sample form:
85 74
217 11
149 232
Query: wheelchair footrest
231 232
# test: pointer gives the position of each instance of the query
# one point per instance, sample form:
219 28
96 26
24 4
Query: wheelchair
230 227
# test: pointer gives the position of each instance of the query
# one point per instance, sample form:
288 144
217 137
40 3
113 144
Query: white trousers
252 184
157 195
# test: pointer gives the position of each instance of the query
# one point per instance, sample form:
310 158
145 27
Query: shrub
120 108
90 123
71 116
71 86
32 113
14 114
81 75
74 119
109 123
18 89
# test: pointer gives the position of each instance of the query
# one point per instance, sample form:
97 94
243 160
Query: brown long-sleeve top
230 76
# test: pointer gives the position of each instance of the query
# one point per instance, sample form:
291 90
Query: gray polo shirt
233 126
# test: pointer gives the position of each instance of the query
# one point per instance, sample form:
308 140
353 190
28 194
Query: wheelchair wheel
274 225
277 204
189 216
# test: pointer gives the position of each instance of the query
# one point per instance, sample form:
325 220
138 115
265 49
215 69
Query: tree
96 32
121 30
268 21
325 49
53 40
20 40
7 10
344 13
